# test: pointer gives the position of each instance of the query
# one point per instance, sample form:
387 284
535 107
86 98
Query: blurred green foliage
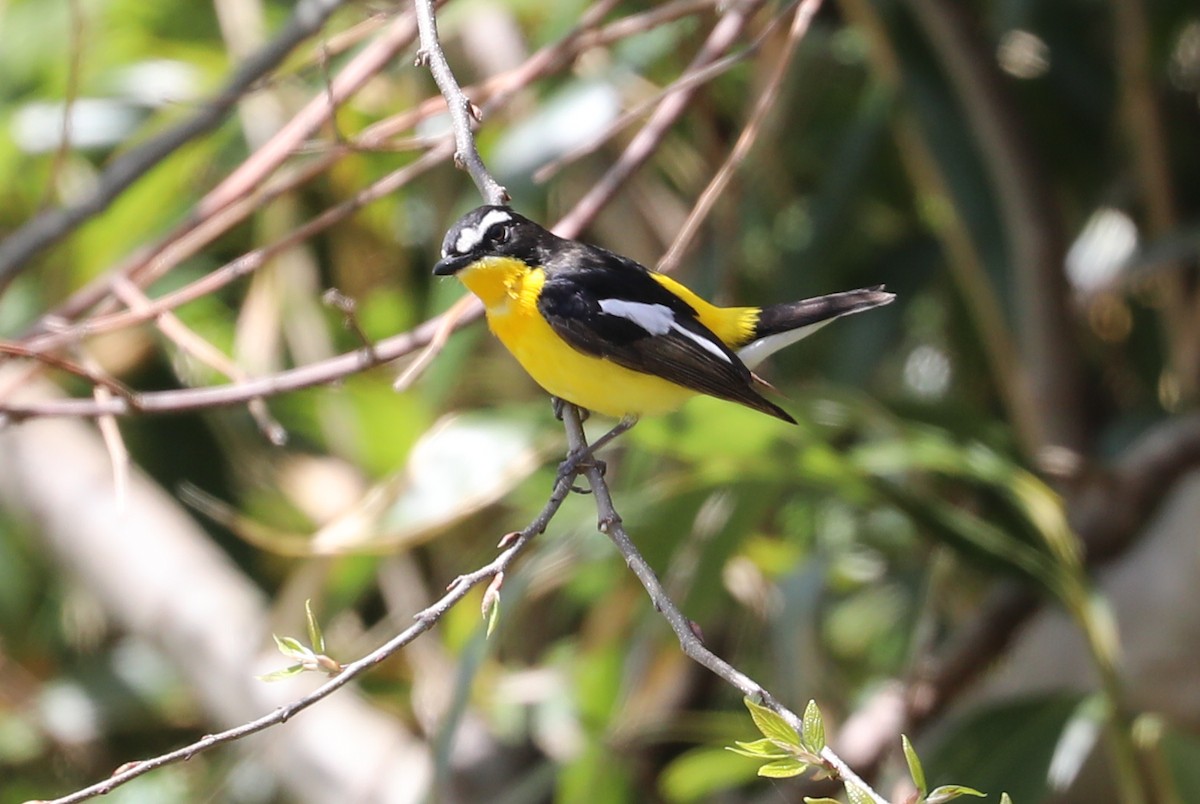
821 559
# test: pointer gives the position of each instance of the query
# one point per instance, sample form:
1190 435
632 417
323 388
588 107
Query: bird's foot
559 404
578 461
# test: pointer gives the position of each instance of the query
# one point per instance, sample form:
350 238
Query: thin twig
646 142
186 399
741 149
425 620
118 453
449 322
193 344
462 111
248 178
248 262
47 228
62 363
685 630
688 80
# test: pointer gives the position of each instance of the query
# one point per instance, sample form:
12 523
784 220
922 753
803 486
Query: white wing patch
471 236
657 319
705 343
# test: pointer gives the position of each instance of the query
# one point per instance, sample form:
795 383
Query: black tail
778 318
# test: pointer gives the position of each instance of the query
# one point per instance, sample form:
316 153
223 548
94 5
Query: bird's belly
590 382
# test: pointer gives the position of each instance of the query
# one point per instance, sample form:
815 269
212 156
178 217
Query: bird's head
490 231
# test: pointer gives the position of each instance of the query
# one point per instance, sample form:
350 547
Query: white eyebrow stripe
657 319
469 238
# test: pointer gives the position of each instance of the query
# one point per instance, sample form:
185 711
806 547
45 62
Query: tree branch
610 524
425 620
643 145
47 228
462 111
805 11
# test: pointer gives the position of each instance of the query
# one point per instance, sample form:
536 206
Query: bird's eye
500 234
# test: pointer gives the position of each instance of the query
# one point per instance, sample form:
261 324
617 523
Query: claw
577 462
558 405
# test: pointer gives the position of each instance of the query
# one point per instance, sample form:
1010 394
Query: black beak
448 266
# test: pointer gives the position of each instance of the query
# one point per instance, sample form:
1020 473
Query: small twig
248 262
688 80
741 149
110 433
448 322
181 400
644 144
685 630
191 343
44 229
348 307
425 620
462 111
69 366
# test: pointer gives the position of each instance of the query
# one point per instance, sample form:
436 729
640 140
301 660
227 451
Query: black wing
679 349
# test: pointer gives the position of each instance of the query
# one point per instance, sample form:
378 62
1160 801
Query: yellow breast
509 292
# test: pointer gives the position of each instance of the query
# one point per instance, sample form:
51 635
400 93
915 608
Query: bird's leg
584 457
557 405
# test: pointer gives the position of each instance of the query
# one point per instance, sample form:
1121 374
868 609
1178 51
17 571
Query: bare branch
230 201
688 80
720 39
462 111
741 149
685 630
179 401
47 228
424 621
248 262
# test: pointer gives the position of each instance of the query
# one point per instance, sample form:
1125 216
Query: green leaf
315 637
822 800
280 675
1004 799
766 748
783 769
949 792
291 648
856 795
814 728
493 616
700 774
914 765
772 725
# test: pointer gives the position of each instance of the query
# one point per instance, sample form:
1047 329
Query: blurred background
982 533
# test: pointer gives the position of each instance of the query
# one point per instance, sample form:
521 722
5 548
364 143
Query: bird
605 333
